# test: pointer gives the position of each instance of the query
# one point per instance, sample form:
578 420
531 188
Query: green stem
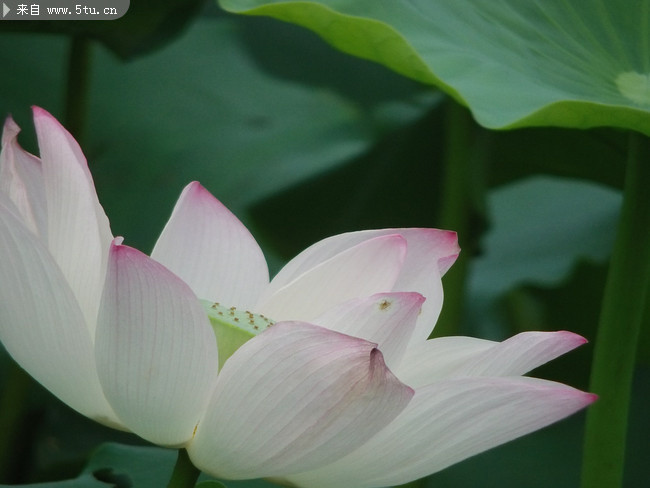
618 329
185 473
459 191
76 97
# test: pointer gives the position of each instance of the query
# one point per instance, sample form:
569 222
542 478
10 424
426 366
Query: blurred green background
301 142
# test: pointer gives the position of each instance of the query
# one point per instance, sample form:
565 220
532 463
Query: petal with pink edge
369 267
41 324
295 396
387 319
78 230
445 423
438 245
212 251
156 352
430 253
21 179
447 357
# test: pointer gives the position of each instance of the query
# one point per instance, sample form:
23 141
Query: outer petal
447 357
295 396
387 319
430 253
41 324
447 422
21 179
156 352
367 268
212 251
439 245
78 231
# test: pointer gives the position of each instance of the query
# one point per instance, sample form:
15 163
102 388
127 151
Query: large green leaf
515 63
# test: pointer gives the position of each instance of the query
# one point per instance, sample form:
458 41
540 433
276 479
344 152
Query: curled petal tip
452 235
414 296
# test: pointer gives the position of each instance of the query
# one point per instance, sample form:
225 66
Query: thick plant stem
457 209
76 97
618 330
185 473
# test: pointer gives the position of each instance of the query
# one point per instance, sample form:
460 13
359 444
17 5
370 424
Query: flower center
233 327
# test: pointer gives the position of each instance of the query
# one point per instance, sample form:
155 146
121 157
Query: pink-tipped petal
293 398
447 422
212 251
21 179
156 352
78 230
430 253
387 319
522 353
440 246
448 357
41 324
369 267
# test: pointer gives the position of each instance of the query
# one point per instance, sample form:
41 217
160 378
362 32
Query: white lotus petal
156 352
447 357
41 324
430 253
364 269
78 230
212 251
21 179
445 423
387 319
295 396
440 245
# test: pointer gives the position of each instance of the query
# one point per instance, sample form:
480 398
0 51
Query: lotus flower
335 384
